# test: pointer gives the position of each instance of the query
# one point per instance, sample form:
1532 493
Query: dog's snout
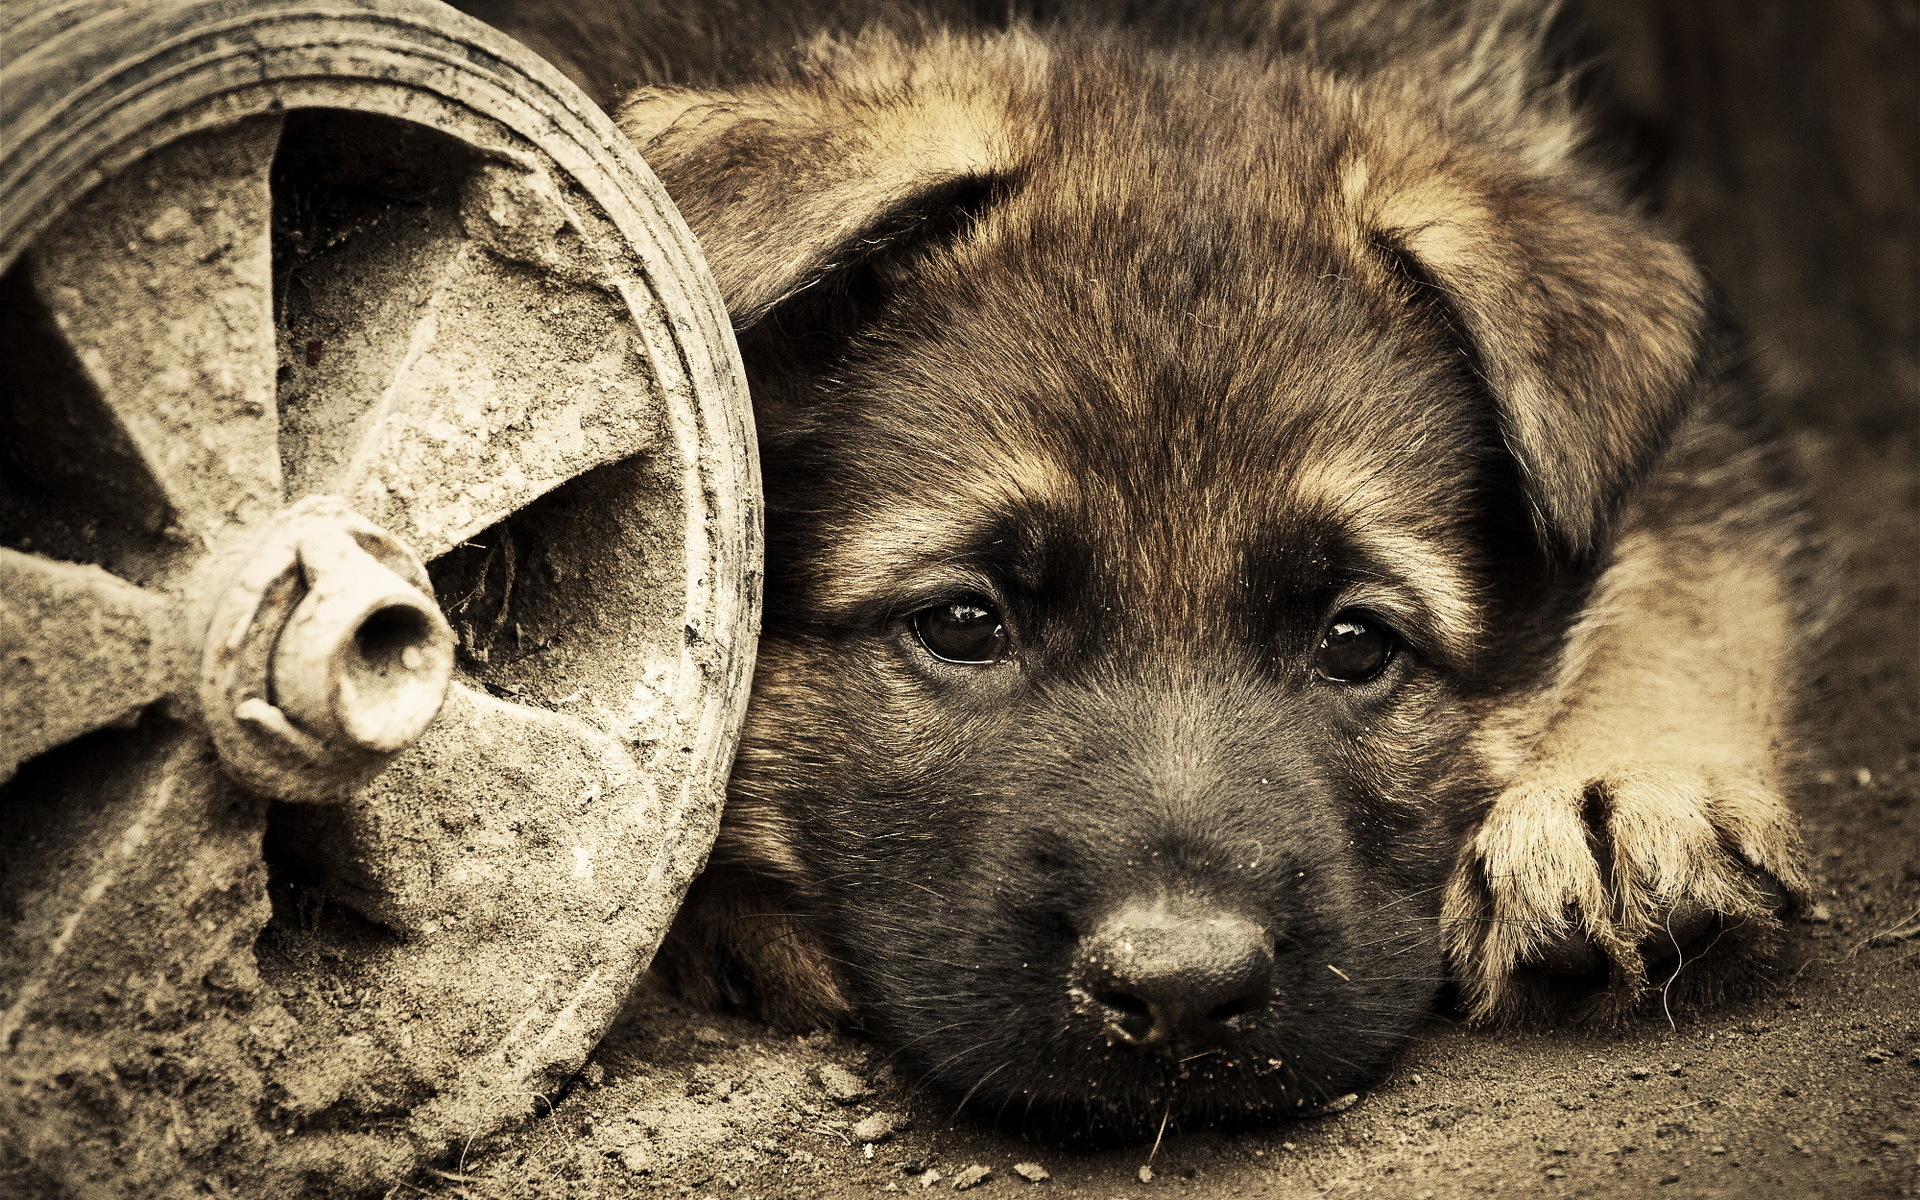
1166 975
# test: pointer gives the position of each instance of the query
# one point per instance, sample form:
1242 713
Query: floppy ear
1586 327
784 184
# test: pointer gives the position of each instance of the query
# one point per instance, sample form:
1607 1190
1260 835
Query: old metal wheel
315 311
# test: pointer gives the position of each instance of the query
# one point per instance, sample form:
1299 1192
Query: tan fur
1670 724
890 126
750 907
881 554
1542 284
729 915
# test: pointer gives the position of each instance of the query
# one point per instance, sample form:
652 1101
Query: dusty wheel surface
378 586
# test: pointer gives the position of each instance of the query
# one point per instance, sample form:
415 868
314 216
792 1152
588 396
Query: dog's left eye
1355 648
962 631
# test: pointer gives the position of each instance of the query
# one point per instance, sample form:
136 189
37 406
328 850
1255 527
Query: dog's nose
1168 973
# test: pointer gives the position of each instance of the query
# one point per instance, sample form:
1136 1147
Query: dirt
1812 1090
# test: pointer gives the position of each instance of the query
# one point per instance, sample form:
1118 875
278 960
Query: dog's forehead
1179 360
1169 486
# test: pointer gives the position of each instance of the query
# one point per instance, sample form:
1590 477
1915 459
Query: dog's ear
1586 326
786 184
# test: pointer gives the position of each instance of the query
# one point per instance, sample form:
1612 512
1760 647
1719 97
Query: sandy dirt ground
1813 1090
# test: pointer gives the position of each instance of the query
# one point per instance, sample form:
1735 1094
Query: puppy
1258 527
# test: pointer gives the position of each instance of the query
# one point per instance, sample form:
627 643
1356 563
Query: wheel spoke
462 356
520 858
79 649
490 417
161 283
103 837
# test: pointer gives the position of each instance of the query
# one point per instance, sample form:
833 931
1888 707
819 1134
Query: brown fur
1321 310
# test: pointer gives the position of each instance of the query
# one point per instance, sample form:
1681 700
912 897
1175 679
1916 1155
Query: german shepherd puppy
1259 525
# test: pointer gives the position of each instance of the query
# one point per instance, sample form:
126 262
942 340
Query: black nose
1173 973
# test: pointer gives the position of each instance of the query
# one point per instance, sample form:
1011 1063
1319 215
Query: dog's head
1172 467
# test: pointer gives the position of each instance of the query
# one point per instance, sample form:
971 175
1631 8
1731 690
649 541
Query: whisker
1166 1112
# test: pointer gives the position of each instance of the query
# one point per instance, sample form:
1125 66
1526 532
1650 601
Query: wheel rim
371 307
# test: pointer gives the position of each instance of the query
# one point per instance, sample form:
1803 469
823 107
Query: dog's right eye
1355 648
962 631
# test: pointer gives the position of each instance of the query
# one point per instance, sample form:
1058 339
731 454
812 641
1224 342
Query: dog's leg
1643 840
742 942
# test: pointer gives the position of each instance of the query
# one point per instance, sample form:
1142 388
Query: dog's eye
1355 648
962 631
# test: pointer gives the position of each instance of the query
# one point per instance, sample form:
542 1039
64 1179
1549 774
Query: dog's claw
1571 953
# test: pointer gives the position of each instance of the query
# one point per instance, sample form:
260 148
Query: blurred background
1780 137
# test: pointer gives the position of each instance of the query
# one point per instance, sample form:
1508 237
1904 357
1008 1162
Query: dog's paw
1598 889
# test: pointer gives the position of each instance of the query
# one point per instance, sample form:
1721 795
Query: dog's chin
1055 1076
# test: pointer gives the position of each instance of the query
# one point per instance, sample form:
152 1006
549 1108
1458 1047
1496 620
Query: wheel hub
325 656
